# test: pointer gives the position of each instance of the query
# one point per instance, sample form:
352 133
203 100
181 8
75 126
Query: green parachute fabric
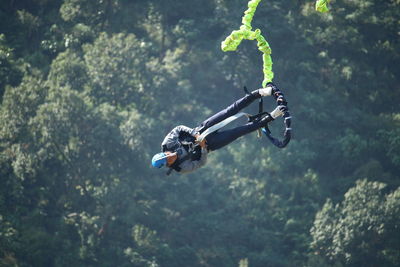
232 42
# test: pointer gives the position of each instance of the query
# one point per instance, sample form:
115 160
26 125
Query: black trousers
219 139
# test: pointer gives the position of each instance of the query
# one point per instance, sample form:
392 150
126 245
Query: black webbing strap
286 135
246 91
287 119
280 100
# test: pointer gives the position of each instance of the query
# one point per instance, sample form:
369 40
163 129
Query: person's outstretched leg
234 108
220 139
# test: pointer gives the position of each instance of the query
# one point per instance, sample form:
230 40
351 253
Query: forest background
89 89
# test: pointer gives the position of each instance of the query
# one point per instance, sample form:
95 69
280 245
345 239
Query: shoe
265 120
267 91
278 111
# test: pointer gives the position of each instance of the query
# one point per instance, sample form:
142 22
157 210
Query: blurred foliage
90 88
360 231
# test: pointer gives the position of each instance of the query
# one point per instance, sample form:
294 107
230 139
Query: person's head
163 159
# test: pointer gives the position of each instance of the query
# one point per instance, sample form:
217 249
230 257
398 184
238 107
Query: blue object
159 160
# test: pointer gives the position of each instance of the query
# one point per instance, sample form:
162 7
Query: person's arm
172 139
189 166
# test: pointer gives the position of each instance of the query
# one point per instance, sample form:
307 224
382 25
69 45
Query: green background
89 88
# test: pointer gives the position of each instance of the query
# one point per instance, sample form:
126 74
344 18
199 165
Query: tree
90 88
68 70
360 231
115 66
9 72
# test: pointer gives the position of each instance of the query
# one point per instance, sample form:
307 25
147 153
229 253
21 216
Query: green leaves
19 106
358 230
9 72
90 88
88 12
68 70
115 66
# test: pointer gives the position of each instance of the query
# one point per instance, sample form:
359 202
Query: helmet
159 160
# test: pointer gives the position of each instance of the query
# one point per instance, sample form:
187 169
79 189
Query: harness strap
220 125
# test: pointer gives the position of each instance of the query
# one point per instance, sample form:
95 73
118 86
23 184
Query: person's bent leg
231 110
220 139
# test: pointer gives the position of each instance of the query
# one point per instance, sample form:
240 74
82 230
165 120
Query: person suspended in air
185 149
